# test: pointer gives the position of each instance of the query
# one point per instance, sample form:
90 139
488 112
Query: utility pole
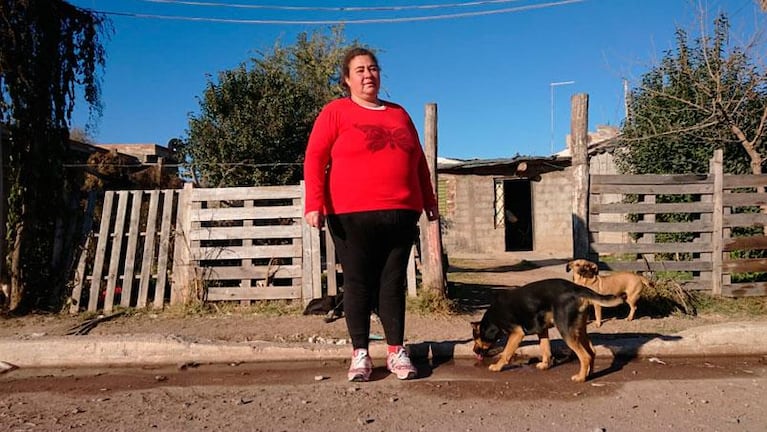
551 87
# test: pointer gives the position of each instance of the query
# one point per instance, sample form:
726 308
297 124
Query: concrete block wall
552 214
471 222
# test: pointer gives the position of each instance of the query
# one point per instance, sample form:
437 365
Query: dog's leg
632 302
585 355
597 315
515 338
585 341
545 344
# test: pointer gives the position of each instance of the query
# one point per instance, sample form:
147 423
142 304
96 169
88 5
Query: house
515 204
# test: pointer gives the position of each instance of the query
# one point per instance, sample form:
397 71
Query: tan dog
586 273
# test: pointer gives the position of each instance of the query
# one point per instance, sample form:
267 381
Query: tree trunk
17 278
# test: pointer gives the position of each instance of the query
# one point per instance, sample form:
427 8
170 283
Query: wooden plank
744 199
637 248
245 264
247 232
656 266
670 189
246 193
752 289
245 213
647 208
85 234
101 247
77 291
660 227
307 280
650 179
330 264
148 259
745 180
256 293
237 273
412 288
316 265
745 265
134 232
744 243
117 244
162 256
696 285
745 220
248 252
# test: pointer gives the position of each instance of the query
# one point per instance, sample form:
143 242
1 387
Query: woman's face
364 79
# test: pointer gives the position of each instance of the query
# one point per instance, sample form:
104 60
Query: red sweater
361 159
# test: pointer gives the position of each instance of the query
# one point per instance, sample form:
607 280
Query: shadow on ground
624 347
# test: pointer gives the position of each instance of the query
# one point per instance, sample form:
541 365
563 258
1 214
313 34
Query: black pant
373 248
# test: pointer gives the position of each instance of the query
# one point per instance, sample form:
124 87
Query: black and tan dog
534 309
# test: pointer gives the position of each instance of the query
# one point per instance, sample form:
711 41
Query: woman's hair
348 57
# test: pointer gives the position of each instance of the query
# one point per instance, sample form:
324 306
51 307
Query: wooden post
717 170
431 238
182 282
579 123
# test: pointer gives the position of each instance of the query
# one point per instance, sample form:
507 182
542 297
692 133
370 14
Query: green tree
254 121
48 50
704 94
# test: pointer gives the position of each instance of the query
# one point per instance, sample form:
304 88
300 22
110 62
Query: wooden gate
718 207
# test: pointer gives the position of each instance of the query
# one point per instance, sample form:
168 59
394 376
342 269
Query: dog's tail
605 300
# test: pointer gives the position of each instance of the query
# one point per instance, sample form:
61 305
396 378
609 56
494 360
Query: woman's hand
315 219
432 214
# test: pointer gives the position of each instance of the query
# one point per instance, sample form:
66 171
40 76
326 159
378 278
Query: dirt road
723 394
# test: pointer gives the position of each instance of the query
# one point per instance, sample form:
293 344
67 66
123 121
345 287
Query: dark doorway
517 202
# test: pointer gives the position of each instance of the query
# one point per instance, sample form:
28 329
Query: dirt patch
471 281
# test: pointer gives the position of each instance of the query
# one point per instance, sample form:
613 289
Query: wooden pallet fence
152 248
127 262
714 213
247 243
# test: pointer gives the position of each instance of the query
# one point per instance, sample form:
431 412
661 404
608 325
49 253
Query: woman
366 172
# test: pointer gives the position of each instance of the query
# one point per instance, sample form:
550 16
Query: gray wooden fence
158 247
718 206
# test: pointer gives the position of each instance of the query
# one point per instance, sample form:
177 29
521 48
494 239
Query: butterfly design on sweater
378 137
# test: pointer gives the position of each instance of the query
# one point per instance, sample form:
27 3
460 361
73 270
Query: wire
179 165
331 22
326 8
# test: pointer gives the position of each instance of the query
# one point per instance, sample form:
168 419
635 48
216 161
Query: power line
331 22
182 165
328 9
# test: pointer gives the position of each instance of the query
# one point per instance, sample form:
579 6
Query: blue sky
490 75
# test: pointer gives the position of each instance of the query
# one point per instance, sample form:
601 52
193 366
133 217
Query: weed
429 302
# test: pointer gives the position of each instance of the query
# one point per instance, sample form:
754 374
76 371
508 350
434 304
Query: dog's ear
568 267
593 268
475 329
492 333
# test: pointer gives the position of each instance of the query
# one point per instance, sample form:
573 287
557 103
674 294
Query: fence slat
134 228
162 258
117 244
149 242
101 247
255 293
87 237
